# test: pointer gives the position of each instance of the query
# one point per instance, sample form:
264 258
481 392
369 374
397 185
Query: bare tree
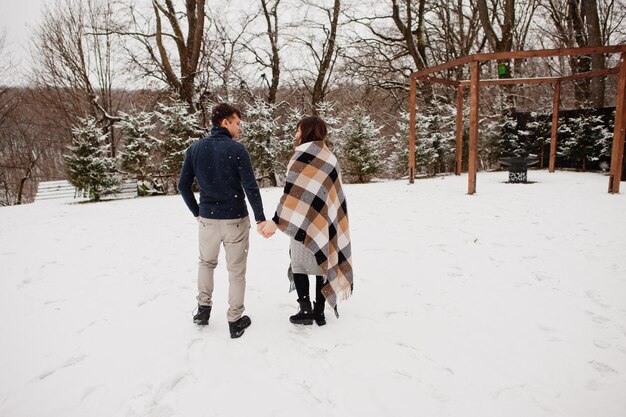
581 23
164 31
271 60
455 32
25 144
7 103
318 36
387 48
221 69
590 11
74 60
502 15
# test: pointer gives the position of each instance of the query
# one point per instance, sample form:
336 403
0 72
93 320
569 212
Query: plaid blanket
313 211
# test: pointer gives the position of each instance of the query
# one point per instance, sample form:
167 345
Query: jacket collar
218 132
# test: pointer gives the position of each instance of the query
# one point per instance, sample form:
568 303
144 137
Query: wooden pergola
475 82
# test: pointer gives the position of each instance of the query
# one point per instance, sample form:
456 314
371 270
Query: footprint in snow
550 333
601 344
603 368
70 362
597 299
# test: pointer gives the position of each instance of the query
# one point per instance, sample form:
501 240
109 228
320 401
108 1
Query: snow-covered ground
511 302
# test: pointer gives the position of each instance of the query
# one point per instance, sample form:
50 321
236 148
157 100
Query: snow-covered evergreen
536 137
326 111
286 142
508 143
139 143
587 139
361 150
435 142
397 159
89 166
261 137
139 154
425 152
443 130
181 129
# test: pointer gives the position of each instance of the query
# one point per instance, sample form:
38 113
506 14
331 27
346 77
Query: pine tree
88 165
326 111
139 145
180 131
489 140
425 140
608 130
362 147
435 142
536 136
286 143
586 141
443 130
261 138
508 145
139 154
397 160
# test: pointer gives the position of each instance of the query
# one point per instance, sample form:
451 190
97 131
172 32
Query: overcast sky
17 20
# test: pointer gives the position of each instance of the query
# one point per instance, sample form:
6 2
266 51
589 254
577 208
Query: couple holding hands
312 212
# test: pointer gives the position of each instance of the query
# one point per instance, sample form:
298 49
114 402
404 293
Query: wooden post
556 101
473 128
412 131
459 129
617 153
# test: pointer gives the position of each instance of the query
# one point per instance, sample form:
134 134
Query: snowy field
511 302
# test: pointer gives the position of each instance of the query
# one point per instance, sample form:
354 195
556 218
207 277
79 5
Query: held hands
266 229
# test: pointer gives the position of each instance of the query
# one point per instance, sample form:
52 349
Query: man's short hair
223 111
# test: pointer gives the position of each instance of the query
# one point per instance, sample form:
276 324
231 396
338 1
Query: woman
313 213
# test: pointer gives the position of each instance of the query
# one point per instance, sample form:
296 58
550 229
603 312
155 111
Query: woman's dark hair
312 128
223 111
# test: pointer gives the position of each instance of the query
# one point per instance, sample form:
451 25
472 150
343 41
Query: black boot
202 316
318 312
305 315
237 327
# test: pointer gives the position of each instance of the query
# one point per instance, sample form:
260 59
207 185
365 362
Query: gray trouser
234 234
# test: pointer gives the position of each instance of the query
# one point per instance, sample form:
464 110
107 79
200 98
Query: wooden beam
460 61
589 74
544 80
521 54
550 52
459 130
412 131
617 152
437 80
508 81
556 101
473 131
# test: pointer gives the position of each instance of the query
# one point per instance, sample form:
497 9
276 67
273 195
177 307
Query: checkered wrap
313 211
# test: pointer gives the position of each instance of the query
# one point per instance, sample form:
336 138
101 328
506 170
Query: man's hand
198 219
259 228
269 229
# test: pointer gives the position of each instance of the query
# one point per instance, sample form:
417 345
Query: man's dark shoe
305 315
237 327
202 316
318 313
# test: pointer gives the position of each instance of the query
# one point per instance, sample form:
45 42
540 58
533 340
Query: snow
510 302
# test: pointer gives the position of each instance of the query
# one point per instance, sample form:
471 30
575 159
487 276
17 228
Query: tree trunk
580 63
590 10
326 64
414 40
20 191
505 42
271 18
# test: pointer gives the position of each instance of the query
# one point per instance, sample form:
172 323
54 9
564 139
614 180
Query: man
224 171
